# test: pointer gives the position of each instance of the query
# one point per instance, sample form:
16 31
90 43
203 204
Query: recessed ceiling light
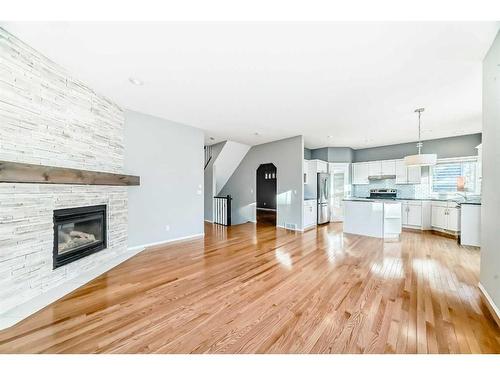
212 138
136 81
330 136
256 133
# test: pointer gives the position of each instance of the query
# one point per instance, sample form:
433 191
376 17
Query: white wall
490 210
209 183
229 158
287 155
169 159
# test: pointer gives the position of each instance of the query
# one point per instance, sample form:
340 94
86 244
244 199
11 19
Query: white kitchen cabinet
438 219
445 216
374 168
470 225
407 175
306 172
319 166
310 213
360 173
414 217
453 221
388 167
412 213
414 175
401 172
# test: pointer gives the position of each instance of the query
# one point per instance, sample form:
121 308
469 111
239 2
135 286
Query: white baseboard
309 227
18 313
151 244
294 230
209 221
495 311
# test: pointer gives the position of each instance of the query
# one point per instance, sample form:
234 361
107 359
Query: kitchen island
372 217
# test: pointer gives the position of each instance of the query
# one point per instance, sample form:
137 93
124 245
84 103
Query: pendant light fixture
420 160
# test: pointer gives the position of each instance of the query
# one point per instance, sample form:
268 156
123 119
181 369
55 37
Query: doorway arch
266 193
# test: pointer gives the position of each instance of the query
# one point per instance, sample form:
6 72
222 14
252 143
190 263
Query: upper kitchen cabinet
388 167
360 173
407 175
312 168
318 166
375 168
414 175
385 169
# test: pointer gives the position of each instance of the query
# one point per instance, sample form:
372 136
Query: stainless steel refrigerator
323 198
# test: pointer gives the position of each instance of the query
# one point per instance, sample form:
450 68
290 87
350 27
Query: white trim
190 237
295 230
457 159
310 226
494 307
20 312
209 221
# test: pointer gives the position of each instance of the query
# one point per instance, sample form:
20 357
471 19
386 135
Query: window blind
445 175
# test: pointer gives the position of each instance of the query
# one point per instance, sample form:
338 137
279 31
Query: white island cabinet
372 218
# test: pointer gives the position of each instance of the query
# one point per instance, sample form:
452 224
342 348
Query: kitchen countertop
458 201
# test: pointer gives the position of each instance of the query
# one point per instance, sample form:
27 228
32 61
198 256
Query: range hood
382 177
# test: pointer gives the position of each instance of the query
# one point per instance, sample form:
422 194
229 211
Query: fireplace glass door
78 232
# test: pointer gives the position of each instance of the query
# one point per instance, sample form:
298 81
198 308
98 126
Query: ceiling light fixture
420 160
136 81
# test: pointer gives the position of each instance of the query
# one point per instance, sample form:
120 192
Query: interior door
339 188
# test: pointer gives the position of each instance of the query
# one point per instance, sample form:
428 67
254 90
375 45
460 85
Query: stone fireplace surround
49 118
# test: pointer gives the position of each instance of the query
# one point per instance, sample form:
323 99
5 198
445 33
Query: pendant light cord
419 144
419 140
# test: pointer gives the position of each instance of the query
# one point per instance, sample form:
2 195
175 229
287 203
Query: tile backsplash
421 190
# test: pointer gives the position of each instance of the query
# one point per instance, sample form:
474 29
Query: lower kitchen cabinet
310 213
446 216
438 219
470 224
416 214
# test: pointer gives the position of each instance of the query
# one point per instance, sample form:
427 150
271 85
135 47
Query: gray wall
320 153
333 154
451 147
490 215
171 190
209 181
307 154
287 156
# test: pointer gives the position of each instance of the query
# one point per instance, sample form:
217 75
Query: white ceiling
338 84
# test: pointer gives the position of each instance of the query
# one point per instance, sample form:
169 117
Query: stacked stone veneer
49 118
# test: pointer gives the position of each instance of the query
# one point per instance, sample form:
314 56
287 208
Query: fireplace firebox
78 232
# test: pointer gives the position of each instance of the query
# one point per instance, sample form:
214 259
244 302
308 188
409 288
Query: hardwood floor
261 289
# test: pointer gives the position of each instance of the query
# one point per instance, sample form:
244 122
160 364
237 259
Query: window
447 174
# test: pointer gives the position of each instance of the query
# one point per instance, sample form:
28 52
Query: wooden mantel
40 174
